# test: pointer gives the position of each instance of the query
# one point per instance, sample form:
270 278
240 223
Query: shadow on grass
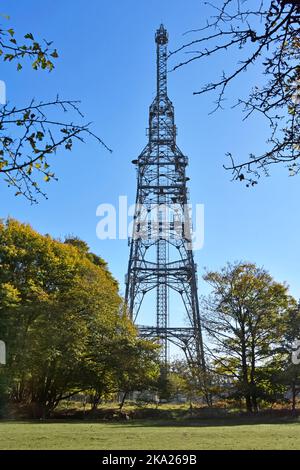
188 422
214 422
172 416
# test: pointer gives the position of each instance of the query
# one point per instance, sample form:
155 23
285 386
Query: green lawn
145 435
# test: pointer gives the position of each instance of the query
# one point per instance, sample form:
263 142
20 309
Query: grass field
142 435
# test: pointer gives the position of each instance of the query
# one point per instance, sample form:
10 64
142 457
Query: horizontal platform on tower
155 332
174 265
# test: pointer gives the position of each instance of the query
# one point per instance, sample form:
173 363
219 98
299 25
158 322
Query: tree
30 134
288 372
62 319
182 380
119 361
84 248
52 298
137 368
194 383
266 34
245 318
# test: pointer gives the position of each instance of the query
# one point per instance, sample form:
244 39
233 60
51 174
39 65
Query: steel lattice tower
163 261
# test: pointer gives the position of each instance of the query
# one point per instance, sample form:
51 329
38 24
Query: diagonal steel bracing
161 257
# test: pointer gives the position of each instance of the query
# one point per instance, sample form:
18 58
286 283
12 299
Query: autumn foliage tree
246 317
58 312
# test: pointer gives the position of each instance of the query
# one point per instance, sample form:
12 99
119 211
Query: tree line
67 332
252 327
64 325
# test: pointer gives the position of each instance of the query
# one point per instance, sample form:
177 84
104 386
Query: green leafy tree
52 299
287 367
137 367
62 319
84 248
194 383
245 317
119 361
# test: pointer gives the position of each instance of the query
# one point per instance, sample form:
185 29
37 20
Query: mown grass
147 435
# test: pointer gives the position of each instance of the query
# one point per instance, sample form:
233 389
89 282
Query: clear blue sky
107 59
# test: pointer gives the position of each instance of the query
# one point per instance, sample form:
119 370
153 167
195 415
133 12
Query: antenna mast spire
161 260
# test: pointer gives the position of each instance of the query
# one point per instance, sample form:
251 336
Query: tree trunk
254 402
123 400
294 395
252 378
246 389
248 403
95 400
38 410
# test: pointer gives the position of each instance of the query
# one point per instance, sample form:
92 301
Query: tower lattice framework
161 259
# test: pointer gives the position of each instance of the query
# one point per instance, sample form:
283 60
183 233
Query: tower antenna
161 259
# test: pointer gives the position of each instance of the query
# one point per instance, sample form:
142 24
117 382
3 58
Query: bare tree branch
31 135
266 33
